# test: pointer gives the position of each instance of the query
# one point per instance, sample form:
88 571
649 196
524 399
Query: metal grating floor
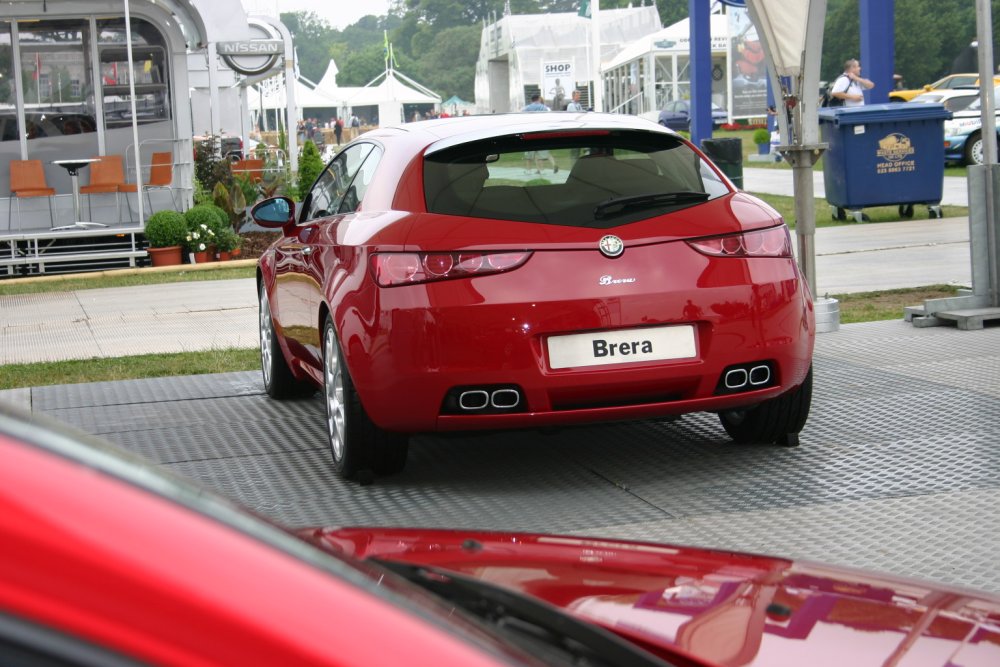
899 468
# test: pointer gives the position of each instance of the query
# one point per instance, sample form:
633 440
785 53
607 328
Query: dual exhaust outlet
484 399
740 378
481 399
746 377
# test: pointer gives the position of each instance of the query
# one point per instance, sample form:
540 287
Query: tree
672 11
312 38
437 70
310 166
928 35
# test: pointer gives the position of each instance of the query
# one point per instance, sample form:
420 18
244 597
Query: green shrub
246 184
203 214
209 165
165 229
202 223
310 166
227 240
222 215
201 195
761 136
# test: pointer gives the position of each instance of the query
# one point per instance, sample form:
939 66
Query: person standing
851 86
557 94
574 103
536 104
338 129
536 157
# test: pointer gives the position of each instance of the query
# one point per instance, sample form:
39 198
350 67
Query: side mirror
927 86
274 212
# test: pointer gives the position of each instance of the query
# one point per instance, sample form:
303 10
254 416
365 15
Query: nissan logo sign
255 47
252 57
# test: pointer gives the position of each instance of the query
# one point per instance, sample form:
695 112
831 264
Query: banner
558 83
748 71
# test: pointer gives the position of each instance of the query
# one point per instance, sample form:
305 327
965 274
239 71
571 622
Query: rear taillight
391 269
771 242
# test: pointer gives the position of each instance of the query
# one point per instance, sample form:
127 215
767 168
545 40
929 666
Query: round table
74 167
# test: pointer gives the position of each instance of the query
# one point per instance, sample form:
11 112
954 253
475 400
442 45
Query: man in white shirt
574 104
850 86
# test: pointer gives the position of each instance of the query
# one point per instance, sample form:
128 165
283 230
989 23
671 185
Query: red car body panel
97 559
407 346
723 608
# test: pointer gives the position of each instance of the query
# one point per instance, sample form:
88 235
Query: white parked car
954 99
963 138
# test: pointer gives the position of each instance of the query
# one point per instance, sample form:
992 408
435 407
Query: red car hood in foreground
720 608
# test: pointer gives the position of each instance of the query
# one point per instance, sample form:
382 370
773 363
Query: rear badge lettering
608 280
603 348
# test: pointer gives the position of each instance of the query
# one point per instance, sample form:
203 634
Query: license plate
622 347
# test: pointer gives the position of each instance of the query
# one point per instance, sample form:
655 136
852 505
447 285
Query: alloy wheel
333 389
266 336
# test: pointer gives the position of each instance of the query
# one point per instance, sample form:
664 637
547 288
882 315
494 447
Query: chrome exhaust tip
736 378
760 375
505 399
475 399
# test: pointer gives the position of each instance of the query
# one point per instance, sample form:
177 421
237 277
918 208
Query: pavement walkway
759 180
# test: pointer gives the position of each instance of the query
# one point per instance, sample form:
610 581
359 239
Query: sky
338 13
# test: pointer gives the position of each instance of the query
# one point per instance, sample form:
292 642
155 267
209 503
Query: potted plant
199 242
166 232
762 138
202 222
226 241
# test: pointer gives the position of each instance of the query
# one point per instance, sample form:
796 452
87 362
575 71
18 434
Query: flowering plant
199 238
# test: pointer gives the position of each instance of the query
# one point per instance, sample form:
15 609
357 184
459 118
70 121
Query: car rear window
589 178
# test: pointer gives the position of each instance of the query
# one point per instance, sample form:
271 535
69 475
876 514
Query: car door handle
295 247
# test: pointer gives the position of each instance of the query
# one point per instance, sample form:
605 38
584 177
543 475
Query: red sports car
530 270
106 561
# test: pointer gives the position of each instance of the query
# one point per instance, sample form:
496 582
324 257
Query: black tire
906 210
358 447
775 421
974 149
278 379
840 214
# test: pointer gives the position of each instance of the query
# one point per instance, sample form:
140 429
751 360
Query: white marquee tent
388 92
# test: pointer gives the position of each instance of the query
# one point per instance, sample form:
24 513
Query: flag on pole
584 10
385 46
38 66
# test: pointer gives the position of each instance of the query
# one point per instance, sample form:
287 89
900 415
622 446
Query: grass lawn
123 278
128 368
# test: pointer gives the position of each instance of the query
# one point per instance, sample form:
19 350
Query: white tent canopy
674 38
389 92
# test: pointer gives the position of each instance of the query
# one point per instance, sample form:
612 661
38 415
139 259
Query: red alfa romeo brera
528 270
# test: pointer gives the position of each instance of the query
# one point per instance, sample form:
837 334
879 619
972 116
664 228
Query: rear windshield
594 179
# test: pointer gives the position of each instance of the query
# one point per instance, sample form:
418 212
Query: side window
359 186
328 193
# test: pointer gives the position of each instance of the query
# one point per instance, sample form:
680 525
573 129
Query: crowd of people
312 128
